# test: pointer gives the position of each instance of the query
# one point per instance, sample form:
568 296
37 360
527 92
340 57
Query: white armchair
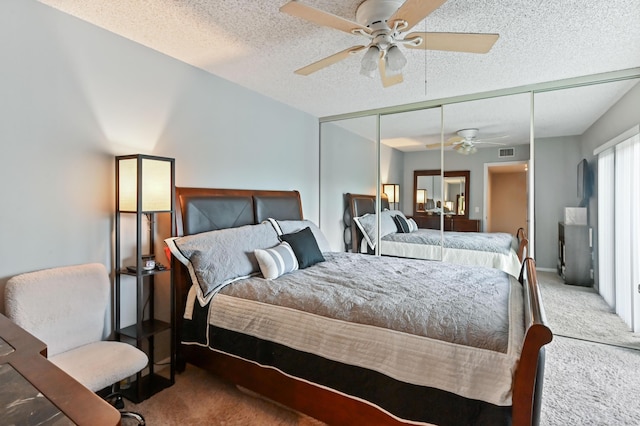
66 308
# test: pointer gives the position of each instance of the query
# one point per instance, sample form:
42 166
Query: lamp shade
421 196
393 192
145 183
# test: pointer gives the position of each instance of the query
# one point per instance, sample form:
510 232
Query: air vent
506 152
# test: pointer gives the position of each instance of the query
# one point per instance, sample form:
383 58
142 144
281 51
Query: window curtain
619 228
606 240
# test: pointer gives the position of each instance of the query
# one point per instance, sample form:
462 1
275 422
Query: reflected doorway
506 196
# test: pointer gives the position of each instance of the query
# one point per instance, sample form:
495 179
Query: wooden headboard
209 209
359 204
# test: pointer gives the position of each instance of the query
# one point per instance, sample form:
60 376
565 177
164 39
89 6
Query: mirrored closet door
487 154
405 137
583 199
348 164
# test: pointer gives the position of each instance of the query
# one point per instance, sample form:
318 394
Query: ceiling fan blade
320 17
490 143
492 139
414 11
329 60
388 80
451 141
454 42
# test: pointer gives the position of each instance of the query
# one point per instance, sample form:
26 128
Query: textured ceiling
256 46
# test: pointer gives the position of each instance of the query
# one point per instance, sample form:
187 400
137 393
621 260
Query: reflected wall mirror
431 197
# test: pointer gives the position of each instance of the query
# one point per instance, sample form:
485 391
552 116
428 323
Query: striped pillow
276 261
402 224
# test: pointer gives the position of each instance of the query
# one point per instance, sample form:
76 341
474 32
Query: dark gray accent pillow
304 246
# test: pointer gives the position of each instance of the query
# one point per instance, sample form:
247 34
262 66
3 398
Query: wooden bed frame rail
523 244
335 408
528 380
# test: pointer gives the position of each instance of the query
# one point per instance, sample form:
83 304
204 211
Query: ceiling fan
466 140
385 24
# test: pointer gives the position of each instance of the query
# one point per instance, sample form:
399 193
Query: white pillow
290 226
395 213
413 226
276 261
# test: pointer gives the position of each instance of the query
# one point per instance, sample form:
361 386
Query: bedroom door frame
487 193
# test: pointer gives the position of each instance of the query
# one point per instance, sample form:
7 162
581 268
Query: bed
495 250
386 382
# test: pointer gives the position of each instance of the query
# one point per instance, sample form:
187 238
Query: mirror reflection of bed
498 250
293 339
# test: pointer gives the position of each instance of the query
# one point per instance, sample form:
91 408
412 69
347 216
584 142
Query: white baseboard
546 269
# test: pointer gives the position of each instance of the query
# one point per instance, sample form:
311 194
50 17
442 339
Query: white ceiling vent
506 152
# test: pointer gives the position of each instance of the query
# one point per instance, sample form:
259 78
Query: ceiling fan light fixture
465 149
369 63
396 60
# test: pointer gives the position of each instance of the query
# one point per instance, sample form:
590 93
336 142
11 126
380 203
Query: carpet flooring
580 312
592 375
200 398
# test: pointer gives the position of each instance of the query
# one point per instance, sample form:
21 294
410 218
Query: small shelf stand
145 187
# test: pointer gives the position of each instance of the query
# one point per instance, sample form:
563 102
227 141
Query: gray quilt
455 303
495 242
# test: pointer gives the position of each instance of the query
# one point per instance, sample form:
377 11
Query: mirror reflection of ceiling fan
466 140
385 24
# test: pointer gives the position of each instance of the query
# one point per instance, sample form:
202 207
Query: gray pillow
217 258
368 225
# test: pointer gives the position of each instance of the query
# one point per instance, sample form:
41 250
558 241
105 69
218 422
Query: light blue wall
72 96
